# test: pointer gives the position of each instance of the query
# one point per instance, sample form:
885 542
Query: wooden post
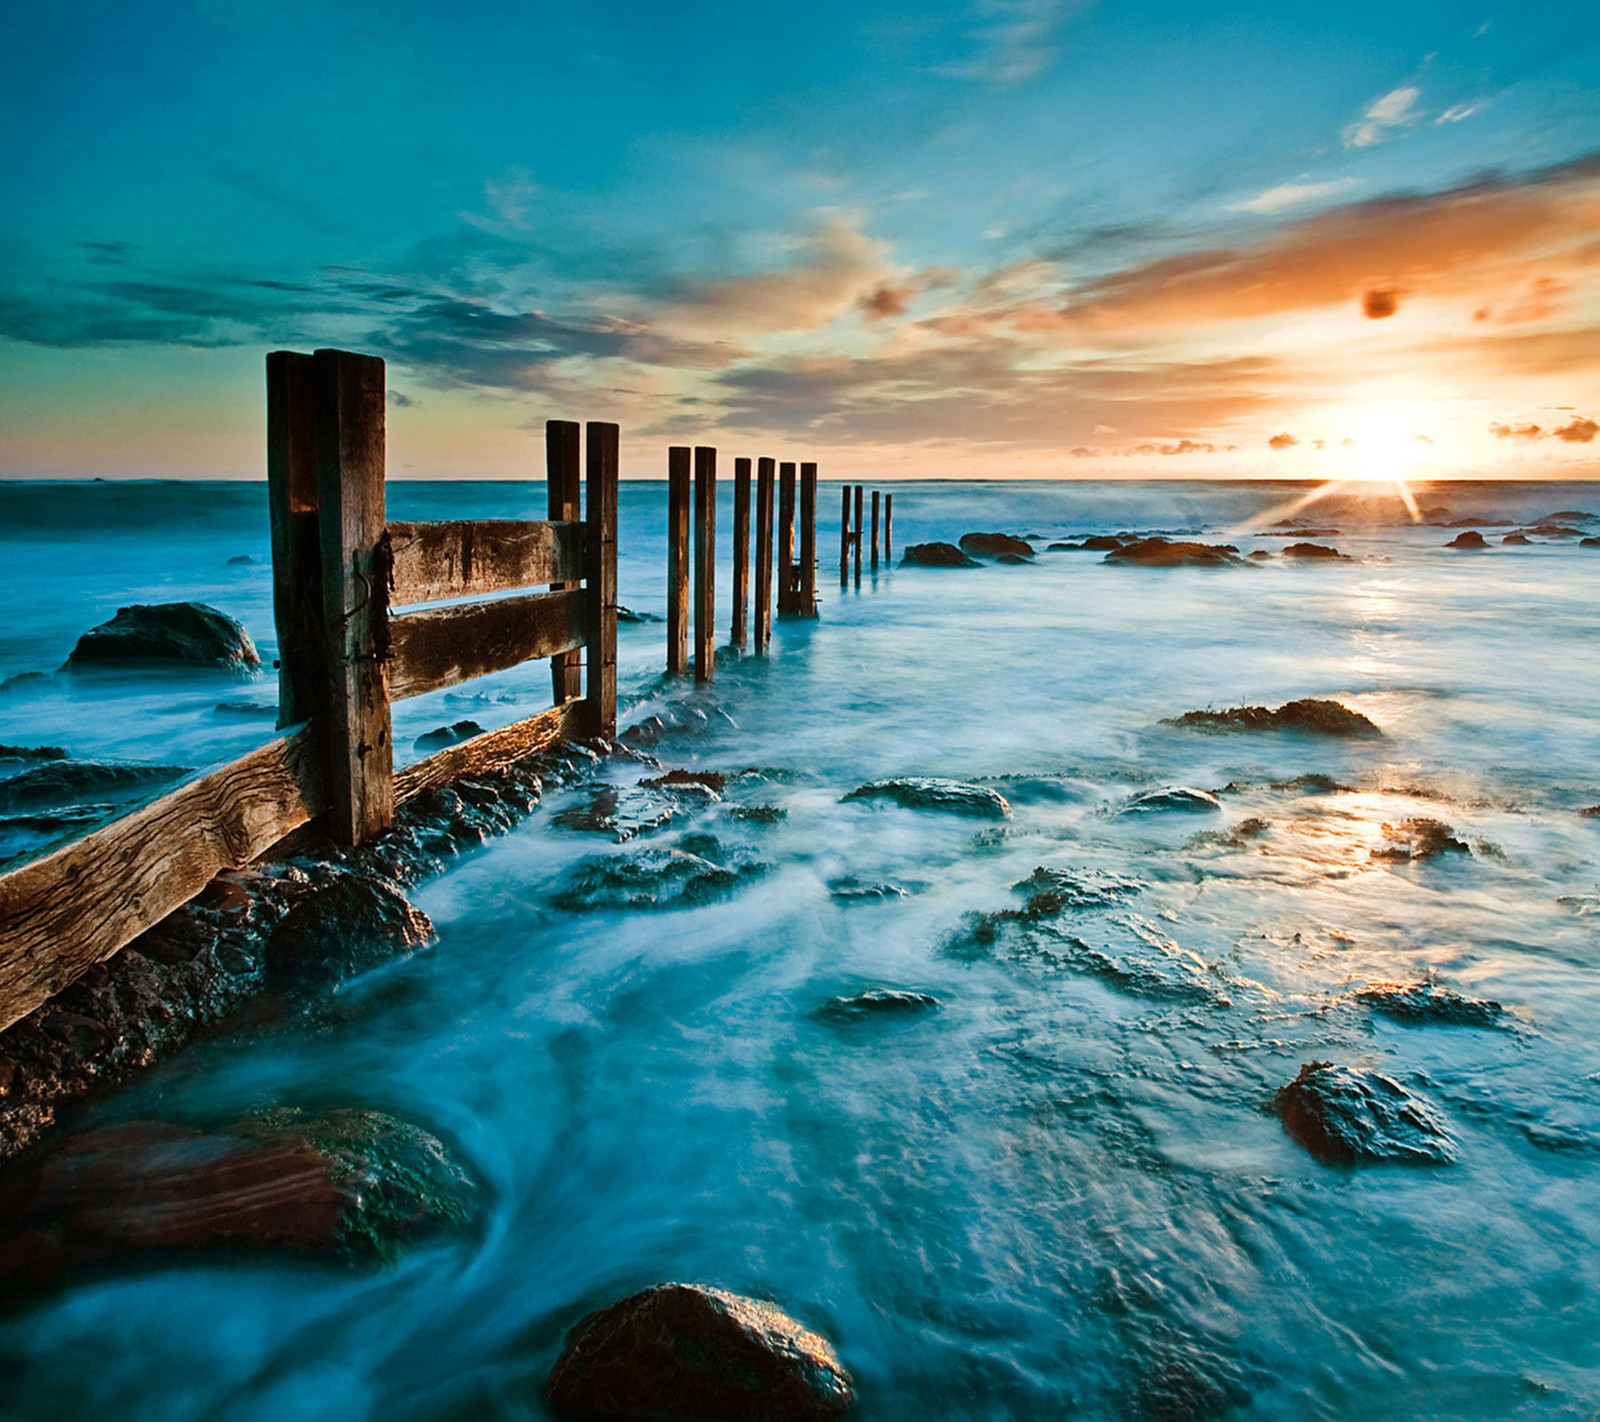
808 540
296 554
874 530
561 464
600 573
355 591
888 528
786 607
764 472
741 551
705 563
859 521
844 536
678 560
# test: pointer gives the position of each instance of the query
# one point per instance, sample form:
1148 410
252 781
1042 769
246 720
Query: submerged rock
926 792
627 614
1420 839
1015 559
1173 797
1467 540
441 737
1308 715
61 782
32 753
713 780
168 633
878 1002
687 1353
629 811
1051 891
349 924
656 878
1064 548
853 890
1428 1003
1348 1117
992 545
937 555
1162 553
1314 550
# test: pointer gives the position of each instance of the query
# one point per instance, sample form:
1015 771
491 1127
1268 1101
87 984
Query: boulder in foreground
1428 1004
1348 1117
1308 715
686 1353
937 555
167 634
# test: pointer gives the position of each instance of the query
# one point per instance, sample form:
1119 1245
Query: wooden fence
341 573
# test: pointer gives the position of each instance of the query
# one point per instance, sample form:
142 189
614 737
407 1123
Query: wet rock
878 1002
1467 540
1420 839
1426 1003
1554 530
1173 797
1162 553
1515 540
627 812
1477 523
1014 559
713 780
758 814
1349 1117
937 555
1102 543
255 710
32 753
352 1183
240 560
627 614
687 1353
680 720
656 878
926 792
1589 543
441 736
169 633
1064 548
1313 551
853 890
19 680
1052 891
993 545
60 782
347 925
1591 812
1308 715
1569 516
1286 528
1259 555
1236 836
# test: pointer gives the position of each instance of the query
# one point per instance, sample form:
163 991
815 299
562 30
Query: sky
987 239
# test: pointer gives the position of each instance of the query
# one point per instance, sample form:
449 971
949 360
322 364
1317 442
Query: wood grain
600 606
475 557
493 750
446 645
678 560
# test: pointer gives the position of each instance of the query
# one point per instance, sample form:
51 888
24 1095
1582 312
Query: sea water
1058 1194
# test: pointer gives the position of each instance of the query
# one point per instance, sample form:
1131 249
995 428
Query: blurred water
1059 1194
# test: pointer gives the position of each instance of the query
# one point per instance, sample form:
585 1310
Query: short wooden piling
765 469
808 541
600 572
888 528
860 492
705 563
786 583
561 456
874 530
741 552
844 536
678 560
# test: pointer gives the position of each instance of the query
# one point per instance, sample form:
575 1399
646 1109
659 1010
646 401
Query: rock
1554 530
1467 540
351 1183
1063 548
626 812
1160 553
1314 550
1176 797
1515 540
1259 555
1348 1117
1569 516
441 736
758 814
993 545
713 780
32 753
1428 1003
878 1002
627 614
926 792
255 710
1014 559
1050 891
937 555
240 560
20 679
1102 543
1477 523
1589 543
1308 715
60 782
853 890
654 878
1315 784
687 1353
1285 528
1420 839
349 924
168 633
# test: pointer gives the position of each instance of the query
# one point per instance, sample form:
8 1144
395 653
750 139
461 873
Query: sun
1386 443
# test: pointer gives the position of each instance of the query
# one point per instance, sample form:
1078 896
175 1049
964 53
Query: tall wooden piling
705 563
296 556
860 493
808 541
678 560
561 457
844 535
764 471
874 530
888 528
600 571
741 551
786 583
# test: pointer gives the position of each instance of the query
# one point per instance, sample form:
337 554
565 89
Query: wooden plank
705 563
844 535
678 560
859 523
62 914
562 472
445 645
476 557
292 511
493 750
888 528
786 586
600 603
874 530
741 552
765 469
355 582
807 604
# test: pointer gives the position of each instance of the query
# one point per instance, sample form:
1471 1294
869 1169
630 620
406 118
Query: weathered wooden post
355 590
764 472
786 588
741 551
808 541
844 536
561 462
678 560
600 573
296 552
859 523
874 530
705 563
888 528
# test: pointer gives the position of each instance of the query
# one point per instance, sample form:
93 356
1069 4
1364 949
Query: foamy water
1058 1194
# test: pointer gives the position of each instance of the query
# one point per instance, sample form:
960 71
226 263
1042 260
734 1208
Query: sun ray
1286 509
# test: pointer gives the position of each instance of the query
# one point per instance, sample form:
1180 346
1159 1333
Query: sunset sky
987 238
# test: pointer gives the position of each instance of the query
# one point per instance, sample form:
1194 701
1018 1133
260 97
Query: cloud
1525 433
1456 112
1287 195
1282 441
1580 431
1396 109
1014 43
1182 446
1379 302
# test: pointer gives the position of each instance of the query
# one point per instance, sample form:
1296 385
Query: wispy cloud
1015 41
1287 195
1394 110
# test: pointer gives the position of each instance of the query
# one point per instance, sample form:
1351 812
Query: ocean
1058 1191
